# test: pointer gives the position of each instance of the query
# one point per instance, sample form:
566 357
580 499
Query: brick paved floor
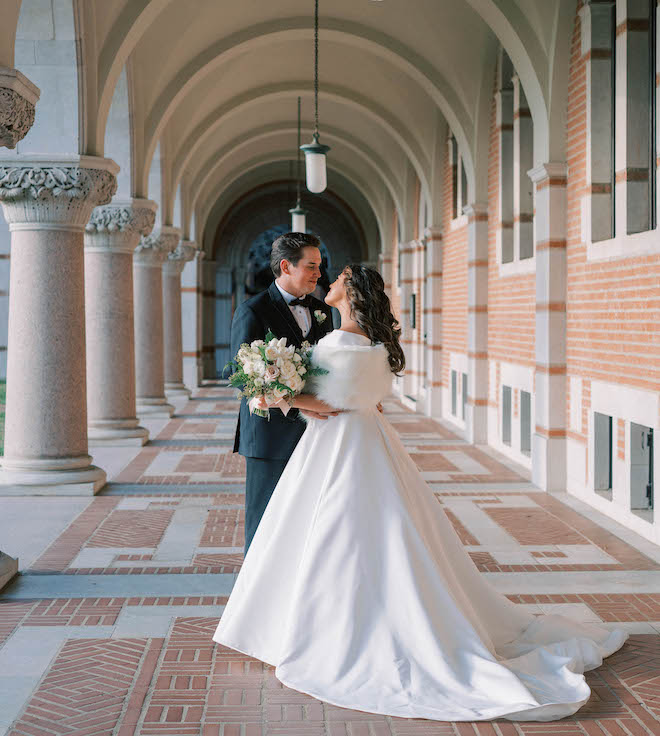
169 529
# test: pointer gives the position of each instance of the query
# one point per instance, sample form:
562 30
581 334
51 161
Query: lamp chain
298 169
316 68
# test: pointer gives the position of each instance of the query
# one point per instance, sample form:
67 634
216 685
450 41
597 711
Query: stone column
476 429
549 440
47 204
172 327
18 96
111 236
191 302
148 261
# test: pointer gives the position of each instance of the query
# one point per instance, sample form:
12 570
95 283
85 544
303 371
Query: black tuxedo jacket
256 436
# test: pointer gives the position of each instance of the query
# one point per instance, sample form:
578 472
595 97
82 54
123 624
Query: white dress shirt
300 314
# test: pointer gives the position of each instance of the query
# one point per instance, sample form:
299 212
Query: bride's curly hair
371 309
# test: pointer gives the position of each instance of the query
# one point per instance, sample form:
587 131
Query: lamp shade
298 220
315 167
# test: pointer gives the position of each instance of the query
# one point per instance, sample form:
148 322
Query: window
525 423
641 470
462 198
413 311
603 454
454 389
453 162
635 45
459 187
506 415
523 161
464 396
516 146
619 41
505 129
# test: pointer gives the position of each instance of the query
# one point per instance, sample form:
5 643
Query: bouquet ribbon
279 404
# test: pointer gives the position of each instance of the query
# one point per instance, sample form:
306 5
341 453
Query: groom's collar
285 294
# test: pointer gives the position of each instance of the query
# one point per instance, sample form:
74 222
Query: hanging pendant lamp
298 222
315 164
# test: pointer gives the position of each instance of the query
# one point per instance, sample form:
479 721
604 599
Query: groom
286 309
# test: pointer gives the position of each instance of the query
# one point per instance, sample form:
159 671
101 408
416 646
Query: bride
356 587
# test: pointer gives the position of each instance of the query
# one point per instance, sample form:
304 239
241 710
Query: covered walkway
108 628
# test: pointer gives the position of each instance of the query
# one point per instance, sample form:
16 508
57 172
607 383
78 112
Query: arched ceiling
214 84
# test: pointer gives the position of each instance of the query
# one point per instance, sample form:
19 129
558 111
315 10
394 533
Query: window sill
515 268
458 222
625 246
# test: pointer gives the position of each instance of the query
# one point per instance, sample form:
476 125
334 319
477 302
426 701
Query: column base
8 569
154 408
116 433
37 481
549 463
176 390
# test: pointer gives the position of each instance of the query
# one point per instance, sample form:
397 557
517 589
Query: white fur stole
359 376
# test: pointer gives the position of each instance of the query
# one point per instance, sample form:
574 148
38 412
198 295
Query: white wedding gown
358 591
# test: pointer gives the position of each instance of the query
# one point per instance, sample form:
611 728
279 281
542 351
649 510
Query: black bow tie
305 301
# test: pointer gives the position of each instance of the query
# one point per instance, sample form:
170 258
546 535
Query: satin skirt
358 591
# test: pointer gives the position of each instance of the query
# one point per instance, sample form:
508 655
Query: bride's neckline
350 332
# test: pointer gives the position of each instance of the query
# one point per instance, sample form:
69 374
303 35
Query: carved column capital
18 96
154 249
38 192
119 225
176 260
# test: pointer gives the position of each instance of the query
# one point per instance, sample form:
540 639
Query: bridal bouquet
272 370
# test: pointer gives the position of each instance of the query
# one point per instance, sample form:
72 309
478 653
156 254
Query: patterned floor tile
178 682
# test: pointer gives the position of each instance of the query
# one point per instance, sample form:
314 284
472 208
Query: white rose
296 358
273 343
258 382
256 343
280 393
259 368
272 372
281 342
248 368
271 353
288 369
295 383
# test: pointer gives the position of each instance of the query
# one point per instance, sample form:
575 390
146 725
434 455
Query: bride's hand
308 402
313 414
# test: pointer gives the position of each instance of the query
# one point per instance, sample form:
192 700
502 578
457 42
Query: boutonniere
320 316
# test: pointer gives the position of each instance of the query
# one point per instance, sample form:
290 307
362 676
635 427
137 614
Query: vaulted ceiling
213 85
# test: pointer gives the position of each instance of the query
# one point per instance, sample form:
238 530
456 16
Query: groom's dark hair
290 248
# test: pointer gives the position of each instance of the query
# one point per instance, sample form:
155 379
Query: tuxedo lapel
285 312
319 329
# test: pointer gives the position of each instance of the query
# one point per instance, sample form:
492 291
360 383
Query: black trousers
262 475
